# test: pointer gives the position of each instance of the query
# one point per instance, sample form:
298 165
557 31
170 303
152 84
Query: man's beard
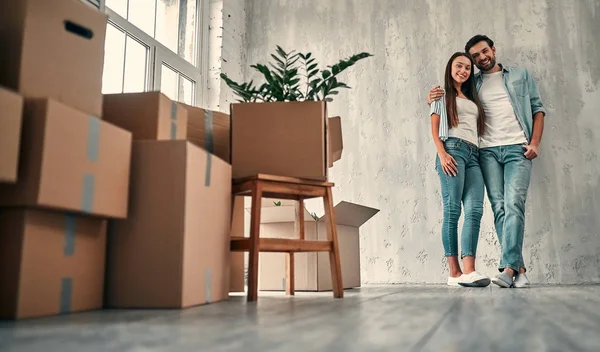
488 66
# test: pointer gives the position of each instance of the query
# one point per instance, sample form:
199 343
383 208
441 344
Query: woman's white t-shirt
467 121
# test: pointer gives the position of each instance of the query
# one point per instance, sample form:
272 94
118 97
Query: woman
457 121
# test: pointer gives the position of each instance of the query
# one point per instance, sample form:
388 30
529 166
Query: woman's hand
449 165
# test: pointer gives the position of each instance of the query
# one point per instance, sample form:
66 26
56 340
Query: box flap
284 213
352 214
335 140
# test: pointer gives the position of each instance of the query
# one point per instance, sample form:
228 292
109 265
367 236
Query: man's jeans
466 187
507 172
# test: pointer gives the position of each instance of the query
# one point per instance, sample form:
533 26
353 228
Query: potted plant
280 127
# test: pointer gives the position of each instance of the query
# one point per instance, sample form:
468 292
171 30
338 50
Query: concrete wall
388 159
227 49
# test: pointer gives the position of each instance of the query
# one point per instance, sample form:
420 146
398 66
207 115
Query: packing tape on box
93 154
66 286
87 195
173 120
93 140
208 144
207 286
70 230
66 293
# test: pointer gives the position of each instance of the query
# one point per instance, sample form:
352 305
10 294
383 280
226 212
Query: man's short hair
476 39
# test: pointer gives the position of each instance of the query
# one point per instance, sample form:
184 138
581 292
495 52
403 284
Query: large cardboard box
50 263
70 161
11 112
283 138
209 130
148 115
312 270
173 249
55 49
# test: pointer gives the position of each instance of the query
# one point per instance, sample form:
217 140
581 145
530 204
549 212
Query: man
513 131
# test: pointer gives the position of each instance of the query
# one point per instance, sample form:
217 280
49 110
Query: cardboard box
283 138
209 130
50 263
336 144
53 49
148 116
11 113
312 270
173 249
70 161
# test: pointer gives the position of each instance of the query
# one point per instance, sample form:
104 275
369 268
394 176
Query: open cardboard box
294 139
312 270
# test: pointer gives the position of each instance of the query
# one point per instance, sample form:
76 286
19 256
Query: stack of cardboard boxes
172 251
103 201
66 171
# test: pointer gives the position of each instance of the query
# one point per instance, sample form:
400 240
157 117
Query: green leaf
281 52
335 69
326 74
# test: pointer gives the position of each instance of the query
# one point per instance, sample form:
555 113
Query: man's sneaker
503 280
474 279
454 281
521 281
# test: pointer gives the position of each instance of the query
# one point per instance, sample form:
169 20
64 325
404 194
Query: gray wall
389 155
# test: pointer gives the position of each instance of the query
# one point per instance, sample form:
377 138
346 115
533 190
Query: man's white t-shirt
501 124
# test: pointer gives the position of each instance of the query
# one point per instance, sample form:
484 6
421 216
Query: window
156 45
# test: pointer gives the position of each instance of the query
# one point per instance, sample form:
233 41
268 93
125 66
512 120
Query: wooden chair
269 186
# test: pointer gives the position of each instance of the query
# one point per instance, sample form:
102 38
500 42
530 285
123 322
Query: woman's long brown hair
468 89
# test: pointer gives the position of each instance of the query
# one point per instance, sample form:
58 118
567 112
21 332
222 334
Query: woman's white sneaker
454 281
474 279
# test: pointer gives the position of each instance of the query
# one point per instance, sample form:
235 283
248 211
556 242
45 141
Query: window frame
159 53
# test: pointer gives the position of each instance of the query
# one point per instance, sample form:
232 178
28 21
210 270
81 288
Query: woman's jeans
466 187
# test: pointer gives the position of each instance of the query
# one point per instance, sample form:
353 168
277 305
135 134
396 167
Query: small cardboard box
173 249
70 161
209 130
312 270
283 138
50 263
11 114
53 49
148 115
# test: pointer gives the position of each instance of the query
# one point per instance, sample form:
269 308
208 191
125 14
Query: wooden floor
377 318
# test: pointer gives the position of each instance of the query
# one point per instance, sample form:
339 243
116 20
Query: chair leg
254 240
334 255
290 279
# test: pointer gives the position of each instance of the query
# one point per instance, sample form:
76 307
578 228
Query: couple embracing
487 129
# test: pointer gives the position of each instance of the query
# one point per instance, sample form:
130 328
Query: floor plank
373 318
